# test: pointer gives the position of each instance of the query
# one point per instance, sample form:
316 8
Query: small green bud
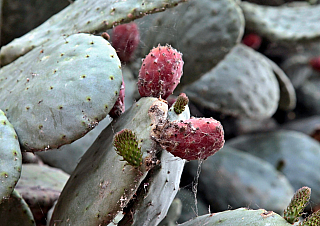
312 220
126 145
297 205
180 103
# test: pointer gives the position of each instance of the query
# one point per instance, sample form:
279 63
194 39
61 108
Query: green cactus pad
10 158
204 31
294 154
297 205
83 16
40 186
239 217
242 85
283 23
240 179
161 182
312 220
102 184
71 84
14 211
126 145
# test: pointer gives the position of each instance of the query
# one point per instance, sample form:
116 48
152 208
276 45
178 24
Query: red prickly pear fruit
315 63
119 107
252 40
160 72
125 40
195 138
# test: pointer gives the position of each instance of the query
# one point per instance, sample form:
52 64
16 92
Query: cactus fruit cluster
97 91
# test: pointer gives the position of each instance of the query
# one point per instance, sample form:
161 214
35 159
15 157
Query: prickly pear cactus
14 211
237 217
204 31
40 186
10 158
84 16
71 84
243 85
293 153
240 179
102 184
161 182
283 23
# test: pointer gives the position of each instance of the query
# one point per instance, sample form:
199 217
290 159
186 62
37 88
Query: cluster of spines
126 145
181 103
297 205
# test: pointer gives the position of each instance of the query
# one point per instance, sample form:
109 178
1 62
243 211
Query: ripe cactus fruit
125 40
126 145
160 72
252 40
119 106
315 63
195 138
297 205
180 103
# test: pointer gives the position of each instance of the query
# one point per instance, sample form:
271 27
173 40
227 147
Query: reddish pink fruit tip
195 138
252 40
119 107
125 40
315 63
160 72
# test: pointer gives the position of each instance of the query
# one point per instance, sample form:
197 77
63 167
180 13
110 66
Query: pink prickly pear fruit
160 72
125 40
252 40
119 107
315 63
195 138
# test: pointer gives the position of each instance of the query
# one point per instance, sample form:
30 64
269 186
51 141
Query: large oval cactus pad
10 158
204 31
243 84
58 92
83 16
283 23
102 184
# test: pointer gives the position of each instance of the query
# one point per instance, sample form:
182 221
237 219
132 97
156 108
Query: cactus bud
126 145
180 103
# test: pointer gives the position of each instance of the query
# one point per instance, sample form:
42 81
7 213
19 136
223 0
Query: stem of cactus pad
297 205
181 103
126 145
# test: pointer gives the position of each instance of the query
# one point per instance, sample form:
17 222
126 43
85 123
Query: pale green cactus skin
161 182
71 85
283 24
14 211
239 217
102 184
243 84
84 16
10 158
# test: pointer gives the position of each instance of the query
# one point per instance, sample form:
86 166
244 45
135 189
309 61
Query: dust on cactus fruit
252 40
195 138
315 63
119 107
125 40
160 72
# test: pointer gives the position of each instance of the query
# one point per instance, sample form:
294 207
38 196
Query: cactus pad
242 85
83 16
10 158
71 84
283 23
